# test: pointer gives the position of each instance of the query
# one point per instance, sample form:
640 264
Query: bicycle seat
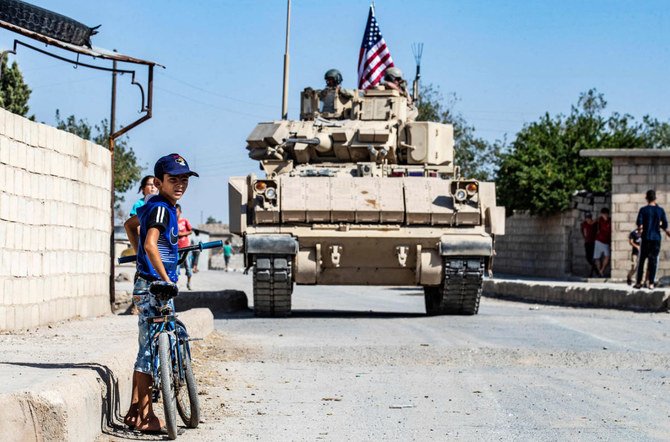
164 290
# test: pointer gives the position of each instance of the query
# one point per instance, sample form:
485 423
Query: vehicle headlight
270 193
471 189
260 186
461 195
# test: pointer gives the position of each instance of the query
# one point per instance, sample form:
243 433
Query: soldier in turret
333 92
393 80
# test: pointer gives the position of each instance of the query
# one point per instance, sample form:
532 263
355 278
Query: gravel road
364 363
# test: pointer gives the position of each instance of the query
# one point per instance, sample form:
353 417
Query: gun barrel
311 141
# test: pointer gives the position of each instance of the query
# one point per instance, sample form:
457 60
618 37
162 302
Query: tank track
460 291
272 285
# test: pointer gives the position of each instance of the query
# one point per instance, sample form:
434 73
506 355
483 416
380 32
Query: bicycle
171 353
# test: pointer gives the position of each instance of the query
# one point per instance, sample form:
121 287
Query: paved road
360 363
364 363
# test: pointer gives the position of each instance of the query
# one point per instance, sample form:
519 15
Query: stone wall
632 176
54 225
535 246
547 246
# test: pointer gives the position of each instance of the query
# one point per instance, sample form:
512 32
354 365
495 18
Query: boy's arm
131 230
151 249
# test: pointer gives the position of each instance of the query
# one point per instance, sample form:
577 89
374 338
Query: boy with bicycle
157 260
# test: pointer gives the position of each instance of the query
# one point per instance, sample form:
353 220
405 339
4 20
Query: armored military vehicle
361 194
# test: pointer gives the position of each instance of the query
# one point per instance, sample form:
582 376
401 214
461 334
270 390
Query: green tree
212 220
14 92
476 157
543 167
127 170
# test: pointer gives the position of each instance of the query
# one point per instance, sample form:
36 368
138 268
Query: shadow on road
318 313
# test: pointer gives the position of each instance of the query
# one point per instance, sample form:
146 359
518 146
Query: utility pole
112 122
284 105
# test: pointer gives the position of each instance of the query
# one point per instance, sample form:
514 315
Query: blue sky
507 61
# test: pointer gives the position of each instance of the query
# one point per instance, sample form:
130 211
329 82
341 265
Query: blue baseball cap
173 164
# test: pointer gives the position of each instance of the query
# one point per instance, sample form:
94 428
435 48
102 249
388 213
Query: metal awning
92 52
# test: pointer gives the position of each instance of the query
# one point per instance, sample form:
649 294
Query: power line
228 97
186 97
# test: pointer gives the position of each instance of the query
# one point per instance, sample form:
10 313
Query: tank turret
374 127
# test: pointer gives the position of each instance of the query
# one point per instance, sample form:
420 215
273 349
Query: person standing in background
634 239
196 253
588 229
185 230
601 253
651 219
148 189
227 253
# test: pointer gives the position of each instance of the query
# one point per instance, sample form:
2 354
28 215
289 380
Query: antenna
417 50
284 100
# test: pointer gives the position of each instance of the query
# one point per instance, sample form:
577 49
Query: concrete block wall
548 246
54 225
536 246
632 176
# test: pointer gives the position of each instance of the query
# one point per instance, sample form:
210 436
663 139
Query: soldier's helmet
393 74
335 75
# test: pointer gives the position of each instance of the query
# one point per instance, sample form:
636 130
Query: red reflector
395 173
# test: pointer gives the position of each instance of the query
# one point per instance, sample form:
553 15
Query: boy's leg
606 260
147 421
633 268
131 418
654 249
147 306
644 250
189 272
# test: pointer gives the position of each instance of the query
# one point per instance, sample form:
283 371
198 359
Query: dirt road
361 363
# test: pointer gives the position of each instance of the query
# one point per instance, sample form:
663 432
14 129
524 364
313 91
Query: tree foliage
127 170
543 167
212 220
476 157
14 92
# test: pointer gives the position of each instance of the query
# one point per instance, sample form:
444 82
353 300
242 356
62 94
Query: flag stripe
374 57
372 54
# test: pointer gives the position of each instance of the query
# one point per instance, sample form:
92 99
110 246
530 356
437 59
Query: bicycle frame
168 323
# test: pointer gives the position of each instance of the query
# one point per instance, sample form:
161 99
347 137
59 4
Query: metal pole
284 105
112 123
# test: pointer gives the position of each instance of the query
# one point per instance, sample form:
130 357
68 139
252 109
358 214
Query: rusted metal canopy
92 52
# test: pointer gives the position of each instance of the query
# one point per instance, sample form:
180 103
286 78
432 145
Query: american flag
375 57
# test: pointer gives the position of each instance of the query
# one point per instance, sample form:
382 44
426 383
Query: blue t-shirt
650 218
136 206
159 213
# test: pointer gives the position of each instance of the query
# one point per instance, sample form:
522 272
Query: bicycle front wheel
187 394
167 385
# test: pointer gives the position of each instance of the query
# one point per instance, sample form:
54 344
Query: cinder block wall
54 225
631 178
535 246
547 246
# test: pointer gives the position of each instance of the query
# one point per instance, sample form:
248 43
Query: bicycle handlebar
201 246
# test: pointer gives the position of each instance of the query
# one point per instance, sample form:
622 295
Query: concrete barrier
76 401
226 301
575 294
